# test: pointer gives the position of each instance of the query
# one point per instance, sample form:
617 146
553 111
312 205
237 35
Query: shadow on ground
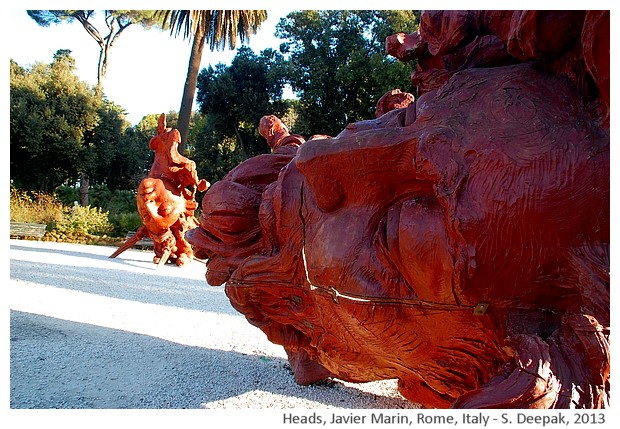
61 364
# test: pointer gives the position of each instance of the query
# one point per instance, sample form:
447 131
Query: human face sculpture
438 252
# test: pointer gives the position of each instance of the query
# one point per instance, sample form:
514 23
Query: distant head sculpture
166 199
391 100
459 244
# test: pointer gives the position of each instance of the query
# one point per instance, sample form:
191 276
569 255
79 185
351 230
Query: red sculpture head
460 245
497 198
394 99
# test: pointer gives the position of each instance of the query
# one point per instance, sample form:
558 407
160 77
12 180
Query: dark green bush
115 202
123 222
67 195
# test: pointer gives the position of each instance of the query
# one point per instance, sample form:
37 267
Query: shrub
35 208
44 208
115 202
122 201
123 222
67 194
84 220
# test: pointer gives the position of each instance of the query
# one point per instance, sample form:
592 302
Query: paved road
87 331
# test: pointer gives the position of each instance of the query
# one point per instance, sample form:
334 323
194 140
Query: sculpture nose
230 213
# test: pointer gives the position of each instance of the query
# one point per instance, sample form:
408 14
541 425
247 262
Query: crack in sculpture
458 242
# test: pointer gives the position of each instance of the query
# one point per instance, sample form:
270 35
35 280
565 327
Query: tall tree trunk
84 189
242 149
102 69
189 90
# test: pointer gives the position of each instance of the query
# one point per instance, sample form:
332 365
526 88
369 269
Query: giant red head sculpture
462 246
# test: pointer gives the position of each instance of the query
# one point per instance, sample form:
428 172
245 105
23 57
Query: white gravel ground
91 332
130 345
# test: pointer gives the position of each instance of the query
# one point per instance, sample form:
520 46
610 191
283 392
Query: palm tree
218 27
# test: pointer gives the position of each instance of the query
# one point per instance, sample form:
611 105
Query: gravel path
91 332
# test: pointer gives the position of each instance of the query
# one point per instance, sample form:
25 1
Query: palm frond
223 28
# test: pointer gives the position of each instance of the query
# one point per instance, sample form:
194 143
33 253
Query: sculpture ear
320 173
336 169
161 123
174 137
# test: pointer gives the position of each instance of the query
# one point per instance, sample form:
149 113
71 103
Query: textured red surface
166 199
460 243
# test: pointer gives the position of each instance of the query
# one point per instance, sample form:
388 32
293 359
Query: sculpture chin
217 273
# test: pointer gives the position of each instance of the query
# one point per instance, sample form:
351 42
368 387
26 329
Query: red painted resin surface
166 199
458 242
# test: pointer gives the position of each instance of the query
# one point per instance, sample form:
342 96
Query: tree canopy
333 60
233 99
337 64
218 28
50 111
60 128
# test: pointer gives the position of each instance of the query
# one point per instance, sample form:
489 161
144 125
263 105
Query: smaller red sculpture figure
166 200
391 111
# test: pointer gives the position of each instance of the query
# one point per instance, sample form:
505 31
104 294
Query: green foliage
337 64
119 155
123 18
219 28
84 220
124 222
116 201
334 60
50 111
67 195
35 207
120 206
216 154
233 99
148 125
